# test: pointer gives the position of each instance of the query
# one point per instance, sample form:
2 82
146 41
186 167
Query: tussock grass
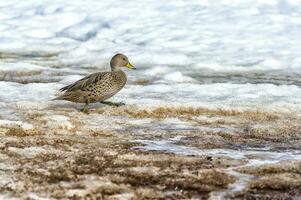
23 77
20 132
26 77
273 181
284 181
165 112
142 82
17 74
290 167
95 163
116 168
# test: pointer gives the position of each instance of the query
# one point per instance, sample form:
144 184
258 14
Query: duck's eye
123 58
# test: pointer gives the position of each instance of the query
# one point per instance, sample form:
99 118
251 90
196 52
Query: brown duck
98 87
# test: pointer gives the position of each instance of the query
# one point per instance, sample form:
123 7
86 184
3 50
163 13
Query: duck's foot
112 103
85 109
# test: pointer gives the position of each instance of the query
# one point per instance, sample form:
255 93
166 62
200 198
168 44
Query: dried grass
111 158
118 169
142 82
288 167
165 112
20 132
284 181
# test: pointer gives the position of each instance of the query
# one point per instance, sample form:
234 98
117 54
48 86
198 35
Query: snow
60 120
218 95
6 197
16 92
262 156
262 34
32 152
4 67
23 125
177 77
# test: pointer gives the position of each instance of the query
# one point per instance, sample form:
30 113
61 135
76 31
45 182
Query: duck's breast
110 85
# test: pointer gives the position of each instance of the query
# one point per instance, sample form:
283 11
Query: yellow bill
130 66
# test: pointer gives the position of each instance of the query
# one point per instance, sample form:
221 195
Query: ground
214 154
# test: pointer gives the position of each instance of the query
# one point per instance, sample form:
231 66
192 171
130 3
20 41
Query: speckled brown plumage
95 87
99 86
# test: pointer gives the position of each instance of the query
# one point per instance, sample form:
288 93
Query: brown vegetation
83 162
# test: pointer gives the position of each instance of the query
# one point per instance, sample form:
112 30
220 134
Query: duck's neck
119 75
115 69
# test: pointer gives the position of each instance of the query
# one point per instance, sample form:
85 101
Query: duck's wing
86 81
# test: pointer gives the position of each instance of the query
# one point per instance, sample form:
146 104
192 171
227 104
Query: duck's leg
112 103
85 109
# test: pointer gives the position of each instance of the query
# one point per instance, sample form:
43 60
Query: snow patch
59 121
18 67
258 156
23 125
178 77
28 151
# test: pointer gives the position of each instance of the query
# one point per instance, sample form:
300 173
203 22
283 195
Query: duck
100 86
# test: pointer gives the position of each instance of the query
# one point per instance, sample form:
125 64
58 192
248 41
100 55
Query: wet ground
131 152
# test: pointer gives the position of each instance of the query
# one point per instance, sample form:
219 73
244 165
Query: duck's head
120 60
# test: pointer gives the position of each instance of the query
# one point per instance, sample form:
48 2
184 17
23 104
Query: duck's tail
57 98
78 97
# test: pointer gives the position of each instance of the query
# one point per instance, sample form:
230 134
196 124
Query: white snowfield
250 34
171 44
226 96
